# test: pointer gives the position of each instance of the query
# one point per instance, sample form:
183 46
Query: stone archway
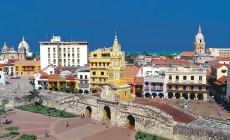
107 113
86 91
154 95
88 111
147 94
200 96
192 96
130 122
161 95
185 95
177 95
170 95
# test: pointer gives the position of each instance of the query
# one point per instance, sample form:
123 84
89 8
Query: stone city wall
189 132
148 119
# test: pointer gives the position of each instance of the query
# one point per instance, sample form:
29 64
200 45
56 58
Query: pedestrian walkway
78 129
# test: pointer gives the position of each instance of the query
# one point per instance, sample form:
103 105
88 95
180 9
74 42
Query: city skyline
141 26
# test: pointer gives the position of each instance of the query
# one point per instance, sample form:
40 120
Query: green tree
62 87
27 137
12 132
34 95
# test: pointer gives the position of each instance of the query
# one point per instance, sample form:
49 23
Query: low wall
186 132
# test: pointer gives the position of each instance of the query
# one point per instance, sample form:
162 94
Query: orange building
132 78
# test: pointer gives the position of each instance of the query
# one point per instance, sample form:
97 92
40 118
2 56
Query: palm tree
34 95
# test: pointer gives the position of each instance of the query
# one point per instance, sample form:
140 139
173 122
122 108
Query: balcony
156 88
187 90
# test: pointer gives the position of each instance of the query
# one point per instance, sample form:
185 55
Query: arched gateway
107 113
88 111
130 122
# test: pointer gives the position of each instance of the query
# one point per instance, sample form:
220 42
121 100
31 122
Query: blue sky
142 25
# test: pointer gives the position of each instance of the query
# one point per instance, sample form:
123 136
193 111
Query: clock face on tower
110 75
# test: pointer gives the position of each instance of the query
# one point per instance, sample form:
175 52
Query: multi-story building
219 71
100 60
189 83
107 68
225 52
83 75
63 53
134 78
27 67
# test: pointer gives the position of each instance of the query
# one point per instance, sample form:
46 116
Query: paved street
79 129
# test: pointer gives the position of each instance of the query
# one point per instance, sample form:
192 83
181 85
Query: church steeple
116 47
199 31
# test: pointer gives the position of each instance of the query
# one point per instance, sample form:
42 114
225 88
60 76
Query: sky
141 25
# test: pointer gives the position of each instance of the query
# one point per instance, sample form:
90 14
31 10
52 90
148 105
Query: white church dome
4 47
23 45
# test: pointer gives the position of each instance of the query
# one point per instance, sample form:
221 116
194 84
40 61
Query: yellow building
61 84
107 68
27 67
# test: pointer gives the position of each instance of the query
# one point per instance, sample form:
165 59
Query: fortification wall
188 132
148 119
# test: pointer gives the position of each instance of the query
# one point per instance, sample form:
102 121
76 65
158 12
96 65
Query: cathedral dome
199 35
23 45
5 47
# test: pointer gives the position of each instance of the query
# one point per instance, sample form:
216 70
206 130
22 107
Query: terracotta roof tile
71 77
139 80
223 79
208 73
223 58
181 62
27 62
187 53
53 76
131 72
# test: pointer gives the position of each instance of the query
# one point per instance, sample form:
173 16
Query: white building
218 52
2 78
63 53
83 76
228 87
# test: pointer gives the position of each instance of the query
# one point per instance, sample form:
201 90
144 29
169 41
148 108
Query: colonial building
27 67
21 54
111 77
224 52
219 70
63 53
189 83
135 79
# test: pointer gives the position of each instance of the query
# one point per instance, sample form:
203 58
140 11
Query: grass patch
143 136
38 108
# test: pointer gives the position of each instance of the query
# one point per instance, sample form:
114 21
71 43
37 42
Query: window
170 77
192 87
200 78
170 86
184 77
102 73
125 94
0 76
200 87
81 76
86 77
177 78
94 73
192 77
176 87
184 87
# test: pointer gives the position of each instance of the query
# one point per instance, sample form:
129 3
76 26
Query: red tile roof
223 58
187 53
71 77
223 79
131 72
27 62
53 76
139 80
